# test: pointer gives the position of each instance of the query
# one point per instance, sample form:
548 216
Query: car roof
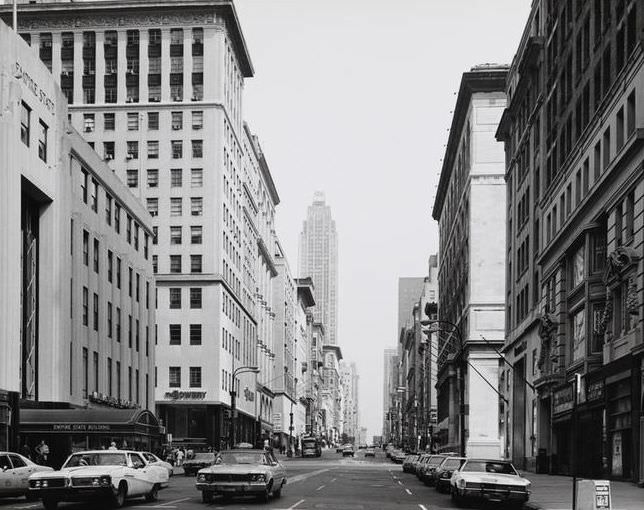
242 450
88 452
498 461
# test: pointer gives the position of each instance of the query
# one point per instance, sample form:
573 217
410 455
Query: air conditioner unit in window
66 73
176 127
109 157
153 213
198 126
88 129
130 99
130 71
154 99
196 98
130 155
92 71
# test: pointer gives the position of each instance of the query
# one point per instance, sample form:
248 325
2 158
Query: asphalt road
330 482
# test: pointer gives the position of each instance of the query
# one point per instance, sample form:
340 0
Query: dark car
348 451
427 471
199 461
444 472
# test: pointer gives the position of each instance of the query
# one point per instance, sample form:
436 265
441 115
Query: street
331 482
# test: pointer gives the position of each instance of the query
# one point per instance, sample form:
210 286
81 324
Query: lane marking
409 492
320 487
400 482
333 479
422 507
299 478
161 505
296 504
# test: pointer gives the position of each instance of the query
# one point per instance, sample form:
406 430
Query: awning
91 421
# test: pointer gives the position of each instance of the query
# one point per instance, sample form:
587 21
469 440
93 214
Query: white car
489 480
110 476
14 474
153 460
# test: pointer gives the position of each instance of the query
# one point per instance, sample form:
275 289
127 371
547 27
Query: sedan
348 451
14 474
153 460
370 452
242 473
489 480
444 472
199 461
427 472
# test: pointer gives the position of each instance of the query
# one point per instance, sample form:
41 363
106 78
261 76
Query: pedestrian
190 453
26 451
112 446
179 457
43 452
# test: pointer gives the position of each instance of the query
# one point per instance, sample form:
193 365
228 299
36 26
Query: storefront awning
88 421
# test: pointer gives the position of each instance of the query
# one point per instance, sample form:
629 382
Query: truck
311 447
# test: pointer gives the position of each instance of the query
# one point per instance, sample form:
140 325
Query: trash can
593 495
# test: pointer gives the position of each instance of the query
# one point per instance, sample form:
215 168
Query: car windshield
204 457
489 467
435 461
452 463
96 459
242 458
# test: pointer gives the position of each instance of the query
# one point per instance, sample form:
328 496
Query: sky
354 98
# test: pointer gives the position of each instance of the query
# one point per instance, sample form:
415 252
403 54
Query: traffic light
431 310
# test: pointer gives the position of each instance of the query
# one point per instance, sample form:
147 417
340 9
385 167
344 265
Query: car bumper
233 488
494 495
73 493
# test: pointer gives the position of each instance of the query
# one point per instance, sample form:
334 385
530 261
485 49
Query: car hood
493 478
235 469
79 471
198 461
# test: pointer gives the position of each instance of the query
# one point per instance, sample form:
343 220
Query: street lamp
233 401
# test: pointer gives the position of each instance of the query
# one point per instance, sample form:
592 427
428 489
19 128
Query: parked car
489 480
14 474
241 473
348 451
398 456
153 460
421 463
408 463
427 471
110 476
370 452
388 449
444 472
199 461
416 463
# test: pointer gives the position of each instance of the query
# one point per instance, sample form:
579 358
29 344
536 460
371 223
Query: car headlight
201 477
460 483
446 474
258 477
105 480
36 483
96 481
528 486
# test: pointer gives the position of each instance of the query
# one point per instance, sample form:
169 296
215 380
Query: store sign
185 395
79 427
595 390
34 87
562 400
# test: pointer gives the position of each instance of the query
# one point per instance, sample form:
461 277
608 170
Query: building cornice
263 250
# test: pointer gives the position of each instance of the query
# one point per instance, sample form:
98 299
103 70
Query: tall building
303 362
351 409
319 260
470 211
575 191
156 88
409 290
77 295
331 393
390 383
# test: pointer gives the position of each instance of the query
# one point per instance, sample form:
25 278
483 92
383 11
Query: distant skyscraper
319 260
409 291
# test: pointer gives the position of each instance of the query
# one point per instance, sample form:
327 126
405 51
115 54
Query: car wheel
50 504
121 494
206 497
456 499
264 496
278 492
153 495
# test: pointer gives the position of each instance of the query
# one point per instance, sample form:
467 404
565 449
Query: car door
278 470
21 471
145 474
7 478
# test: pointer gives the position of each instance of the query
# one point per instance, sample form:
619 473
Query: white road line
409 492
173 502
299 478
320 487
422 507
296 504
400 482
333 479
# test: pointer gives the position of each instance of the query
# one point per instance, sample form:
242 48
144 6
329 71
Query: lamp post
233 398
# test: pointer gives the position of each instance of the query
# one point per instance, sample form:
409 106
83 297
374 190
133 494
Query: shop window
174 377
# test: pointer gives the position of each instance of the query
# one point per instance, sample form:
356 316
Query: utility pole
573 447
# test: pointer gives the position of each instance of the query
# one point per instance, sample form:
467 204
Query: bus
311 447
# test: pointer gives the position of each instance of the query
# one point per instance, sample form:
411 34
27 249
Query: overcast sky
353 97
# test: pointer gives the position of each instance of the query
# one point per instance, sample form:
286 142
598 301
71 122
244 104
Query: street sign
593 495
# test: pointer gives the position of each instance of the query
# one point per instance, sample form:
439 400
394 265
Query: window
129 383
132 178
175 334
109 377
196 178
177 120
153 149
195 263
175 377
176 92
176 149
175 206
195 334
130 281
94 204
117 218
95 255
42 140
175 235
629 217
153 206
196 234
108 150
197 148
118 272
132 150
84 184
88 122
155 264
129 331
578 266
176 177
110 265
95 312
175 298
108 122
25 124
196 206
578 335
85 371
132 121
108 208
630 114
195 377
197 120
153 121
175 263
195 297
606 152
85 306
86 247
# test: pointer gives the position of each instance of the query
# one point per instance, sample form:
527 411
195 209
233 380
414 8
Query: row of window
113 371
194 334
134 121
174 377
25 131
175 297
132 149
176 206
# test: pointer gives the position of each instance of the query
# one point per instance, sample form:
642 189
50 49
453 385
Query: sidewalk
551 492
